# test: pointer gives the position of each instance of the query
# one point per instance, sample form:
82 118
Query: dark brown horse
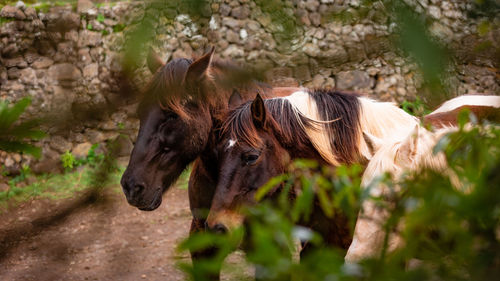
179 116
261 137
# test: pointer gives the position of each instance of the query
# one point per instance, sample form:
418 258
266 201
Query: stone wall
68 58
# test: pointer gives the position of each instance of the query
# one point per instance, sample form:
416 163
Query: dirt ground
99 237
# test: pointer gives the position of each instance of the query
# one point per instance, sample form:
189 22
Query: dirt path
104 239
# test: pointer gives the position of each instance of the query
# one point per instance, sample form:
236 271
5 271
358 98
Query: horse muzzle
138 195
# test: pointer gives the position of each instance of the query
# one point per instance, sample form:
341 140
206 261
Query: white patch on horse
468 100
231 143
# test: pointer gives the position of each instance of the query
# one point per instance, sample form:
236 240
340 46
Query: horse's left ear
373 143
199 67
235 100
258 112
408 149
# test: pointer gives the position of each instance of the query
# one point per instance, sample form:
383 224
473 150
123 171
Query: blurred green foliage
16 135
449 233
53 186
416 107
93 159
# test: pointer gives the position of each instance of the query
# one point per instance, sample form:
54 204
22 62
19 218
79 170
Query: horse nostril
138 188
219 228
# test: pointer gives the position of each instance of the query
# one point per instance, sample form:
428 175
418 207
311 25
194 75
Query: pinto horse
180 114
414 153
395 158
260 138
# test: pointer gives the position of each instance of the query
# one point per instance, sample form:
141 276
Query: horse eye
170 116
250 159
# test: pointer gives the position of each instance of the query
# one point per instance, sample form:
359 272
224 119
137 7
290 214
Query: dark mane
290 126
166 86
345 132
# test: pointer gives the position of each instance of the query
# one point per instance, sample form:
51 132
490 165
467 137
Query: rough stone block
12 12
352 80
89 38
90 71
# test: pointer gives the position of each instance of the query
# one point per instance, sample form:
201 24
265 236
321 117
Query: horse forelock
282 122
239 126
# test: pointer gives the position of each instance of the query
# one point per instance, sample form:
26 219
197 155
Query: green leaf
14 146
100 18
9 115
266 188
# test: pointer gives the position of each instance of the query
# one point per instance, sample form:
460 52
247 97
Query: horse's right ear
409 146
235 100
199 67
258 112
154 61
373 143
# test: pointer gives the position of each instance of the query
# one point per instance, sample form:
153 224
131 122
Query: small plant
4 20
100 18
118 27
416 107
23 174
93 158
68 161
89 26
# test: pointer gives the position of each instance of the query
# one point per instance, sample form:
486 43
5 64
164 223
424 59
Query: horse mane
167 90
326 120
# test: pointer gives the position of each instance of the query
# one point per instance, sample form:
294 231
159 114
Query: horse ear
408 149
154 61
373 143
199 67
235 99
258 112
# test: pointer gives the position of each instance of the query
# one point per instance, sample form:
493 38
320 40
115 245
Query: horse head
250 154
175 126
